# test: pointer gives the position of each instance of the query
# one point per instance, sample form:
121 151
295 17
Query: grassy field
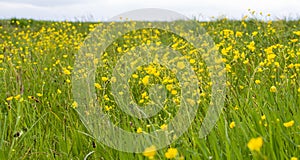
260 120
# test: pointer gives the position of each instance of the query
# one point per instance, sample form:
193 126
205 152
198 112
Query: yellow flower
232 125
119 49
68 81
150 152
9 98
17 97
74 104
236 108
58 91
254 33
66 71
289 124
294 40
156 74
255 144
192 61
164 127
144 95
135 76
145 80
294 158
173 92
108 108
171 153
228 68
180 65
97 85
263 117
238 34
297 33
104 79
141 101
39 94
257 81
273 89
169 87
139 130
259 70
251 46
290 66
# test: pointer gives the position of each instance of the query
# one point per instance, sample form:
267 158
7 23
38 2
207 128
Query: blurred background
102 10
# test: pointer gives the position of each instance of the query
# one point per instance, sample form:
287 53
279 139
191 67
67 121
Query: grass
38 119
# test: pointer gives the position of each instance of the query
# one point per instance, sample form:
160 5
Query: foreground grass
37 118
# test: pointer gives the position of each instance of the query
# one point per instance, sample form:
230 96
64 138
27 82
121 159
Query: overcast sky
99 10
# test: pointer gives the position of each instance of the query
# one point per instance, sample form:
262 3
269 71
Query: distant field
260 120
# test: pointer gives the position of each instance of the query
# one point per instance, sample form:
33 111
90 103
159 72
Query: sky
101 10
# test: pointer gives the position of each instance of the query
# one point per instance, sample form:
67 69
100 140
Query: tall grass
38 121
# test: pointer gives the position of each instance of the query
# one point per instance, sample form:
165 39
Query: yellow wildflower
239 34
39 94
232 125
294 158
254 33
144 95
164 127
251 46
255 144
74 104
192 61
145 80
169 87
257 81
150 152
119 49
104 79
97 85
135 76
180 65
17 97
66 71
294 40
9 98
68 81
273 89
289 124
297 33
171 153
173 92
139 130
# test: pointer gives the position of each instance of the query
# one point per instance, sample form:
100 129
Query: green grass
33 55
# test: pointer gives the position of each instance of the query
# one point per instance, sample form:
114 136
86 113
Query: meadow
260 118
